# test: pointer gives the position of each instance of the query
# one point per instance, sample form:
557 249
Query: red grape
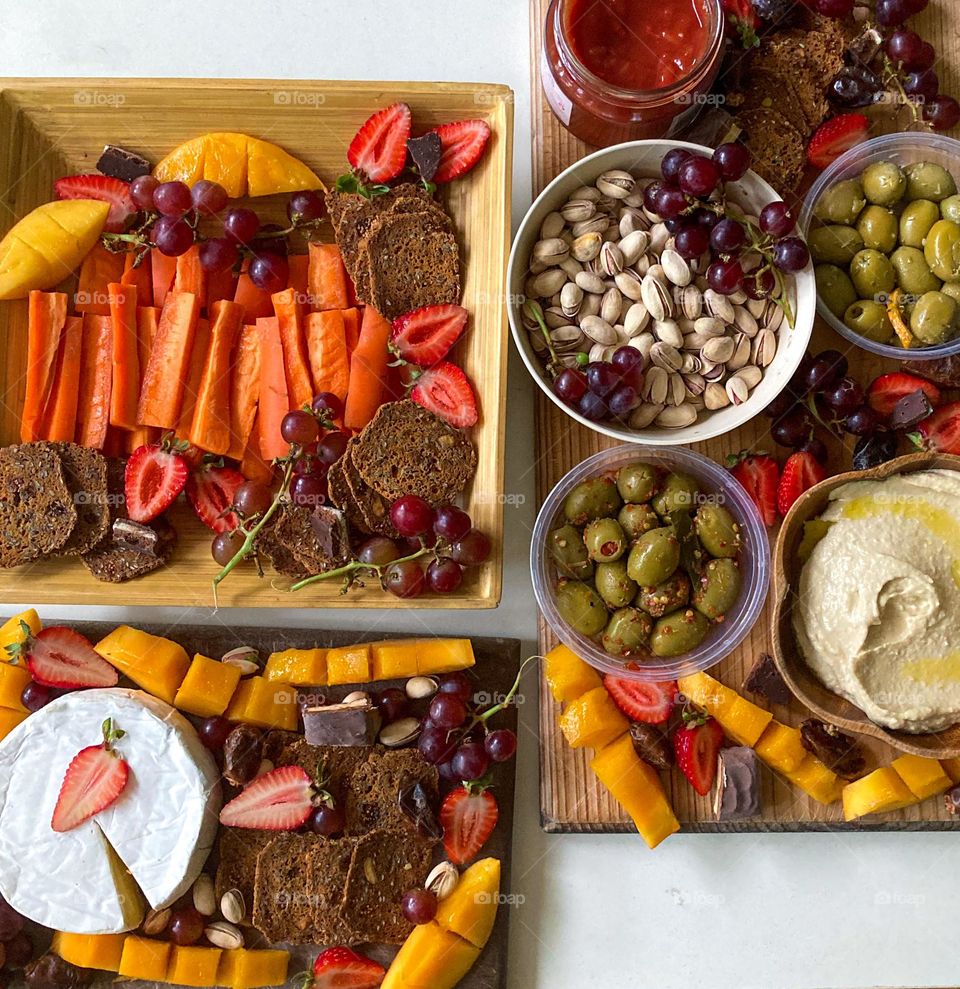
252 498
327 402
35 696
501 744
270 272
299 427
906 47
672 160
793 429
405 580
844 396
142 189
458 684
18 950
759 283
471 761
378 551
862 421
451 522
602 378
923 85
777 219
943 112
411 515
332 447
837 9
392 703
241 225
827 367
790 254
728 236
570 384
472 550
435 744
691 242
591 406
733 160
669 202
699 176
890 13
308 490
444 576
226 545
209 197
447 710
623 401
218 254
725 277
817 448
172 236
213 732
419 906
172 199
445 771
327 821
186 926
305 206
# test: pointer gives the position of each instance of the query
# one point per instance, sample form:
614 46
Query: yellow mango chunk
952 768
298 667
156 664
11 631
568 676
924 777
592 720
443 655
193 966
144 958
780 747
745 722
12 681
9 720
264 703
635 785
707 693
207 688
740 719
100 951
471 909
879 791
430 958
243 968
348 664
816 780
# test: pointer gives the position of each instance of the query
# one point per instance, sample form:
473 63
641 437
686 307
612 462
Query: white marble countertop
728 912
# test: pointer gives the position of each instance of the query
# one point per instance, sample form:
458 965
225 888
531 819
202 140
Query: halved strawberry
468 815
801 471
116 192
940 431
96 776
211 489
696 746
379 149
58 656
426 335
463 142
156 473
641 700
446 390
342 968
834 136
281 800
759 475
887 389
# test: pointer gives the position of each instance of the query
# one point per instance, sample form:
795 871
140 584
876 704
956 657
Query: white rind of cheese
161 828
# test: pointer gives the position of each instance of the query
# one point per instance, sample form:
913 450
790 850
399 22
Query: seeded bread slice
85 472
238 849
341 495
375 787
373 507
284 890
329 864
767 90
777 148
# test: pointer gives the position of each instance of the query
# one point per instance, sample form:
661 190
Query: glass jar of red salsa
623 70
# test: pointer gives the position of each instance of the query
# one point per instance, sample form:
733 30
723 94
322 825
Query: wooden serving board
55 127
497 663
571 799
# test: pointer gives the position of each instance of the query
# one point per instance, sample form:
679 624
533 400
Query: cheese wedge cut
153 840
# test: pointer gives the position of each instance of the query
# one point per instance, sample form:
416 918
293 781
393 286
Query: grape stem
532 310
511 693
348 569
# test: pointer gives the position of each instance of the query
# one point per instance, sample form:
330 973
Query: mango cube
952 768
264 703
395 659
11 631
443 655
100 951
9 720
707 693
207 688
592 720
924 777
12 681
145 958
781 748
156 664
879 791
471 909
568 676
348 664
298 667
430 958
243 968
816 780
193 966
741 720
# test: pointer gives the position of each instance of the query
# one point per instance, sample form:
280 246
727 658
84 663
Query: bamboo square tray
54 127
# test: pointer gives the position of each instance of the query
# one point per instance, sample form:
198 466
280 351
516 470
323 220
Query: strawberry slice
468 815
759 475
696 746
445 390
96 776
801 471
462 144
379 149
281 800
887 389
640 700
116 192
425 336
940 431
342 968
58 656
211 490
156 473
834 136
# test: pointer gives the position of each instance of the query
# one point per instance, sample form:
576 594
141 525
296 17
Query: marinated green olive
913 273
718 589
841 202
928 180
883 183
569 552
878 229
635 520
581 607
942 250
835 288
950 208
679 491
834 244
679 632
916 220
605 540
869 318
952 289
627 632
594 498
934 318
637 483
718 530
872 274
614 585
666 597
654 557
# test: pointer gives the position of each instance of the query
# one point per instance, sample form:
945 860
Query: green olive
869 318
594 498
883 183
928 180
878 228
581 607
635 520
950 208
637 483
916 220
872 274
666 597
679 632
952 289
654 557
841 203
718 589
835 288
942 250
913 273
627 632
834 244
567 548
605 540
934 318
679 491
718 530
614 585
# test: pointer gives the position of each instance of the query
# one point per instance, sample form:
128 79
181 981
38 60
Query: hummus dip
877 616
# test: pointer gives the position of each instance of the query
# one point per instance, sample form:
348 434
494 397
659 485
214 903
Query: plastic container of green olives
717 485
901 149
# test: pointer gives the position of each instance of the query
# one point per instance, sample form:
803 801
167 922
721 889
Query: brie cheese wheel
153 840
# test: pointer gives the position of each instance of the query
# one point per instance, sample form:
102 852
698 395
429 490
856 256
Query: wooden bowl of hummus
866 602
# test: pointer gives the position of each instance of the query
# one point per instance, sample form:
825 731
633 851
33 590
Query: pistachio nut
617 184
547 283
715 396
636 319
656 385
578 210
552 226
719 349
656 296
675 268
764 348
610 305
741 352
599 330
738 391
442 880
633 246
644 414
718 305
665 356
232 906
571 295
223 934
676 417
630 284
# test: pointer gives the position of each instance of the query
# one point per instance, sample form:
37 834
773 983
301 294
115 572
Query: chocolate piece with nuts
737 797
764 679
651 745
834 748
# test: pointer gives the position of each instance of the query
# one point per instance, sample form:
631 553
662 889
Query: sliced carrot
46 316
244 389
327 346
163 382
60 417
327 278
255 301
99 268
253 466
290 317
139 276
147 319
299 279
351 327
210 428
274 400
96 378
125 390
191 387
163 270
220 285
368 371
190 276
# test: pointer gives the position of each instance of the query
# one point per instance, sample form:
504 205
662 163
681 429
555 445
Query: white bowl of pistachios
591 271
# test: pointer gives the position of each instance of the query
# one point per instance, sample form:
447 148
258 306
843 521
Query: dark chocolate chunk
910 409
425 152
652 745
764 679
119 163
136 536
356 723
415 802
834 748
737 796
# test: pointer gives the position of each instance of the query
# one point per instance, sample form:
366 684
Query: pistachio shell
578 210
586 246
643 415
616 183
552 226
676 417
599 330
715 396
675 268
547 283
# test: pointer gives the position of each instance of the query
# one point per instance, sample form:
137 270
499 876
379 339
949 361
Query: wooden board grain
55 127
571 798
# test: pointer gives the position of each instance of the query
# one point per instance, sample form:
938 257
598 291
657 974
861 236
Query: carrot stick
244 390
290 317
96 377
220 285
274 400
99 268
147 320
163 271
327 346
125 390
190 276
368 371
139 276
299 280
162 392
191 387
253 466
351 327
255 301
210 428
60 417
46 316
327 278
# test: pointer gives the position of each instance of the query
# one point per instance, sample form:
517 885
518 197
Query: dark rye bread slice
778 149
768 90
294 530
329 864
334 764
406 449
374 508
342 496
271 544
283 889
85 472
237 850
375 787
37 510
